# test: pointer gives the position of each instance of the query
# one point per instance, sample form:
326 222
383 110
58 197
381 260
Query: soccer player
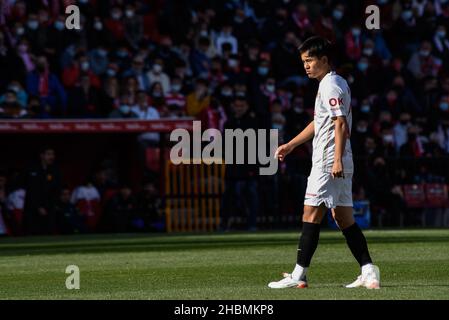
330 182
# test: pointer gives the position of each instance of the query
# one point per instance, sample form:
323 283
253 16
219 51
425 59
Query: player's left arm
335 104
341 129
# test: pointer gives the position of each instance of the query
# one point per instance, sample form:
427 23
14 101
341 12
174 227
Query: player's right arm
301 138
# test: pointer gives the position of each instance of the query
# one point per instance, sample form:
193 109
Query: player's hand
42 211
337 170
282 151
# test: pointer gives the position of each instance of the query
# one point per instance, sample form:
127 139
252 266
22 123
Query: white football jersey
333 100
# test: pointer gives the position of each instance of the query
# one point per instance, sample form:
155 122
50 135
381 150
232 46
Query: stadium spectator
10 107
240 179
175 99
21 95
69 219
46 86
120 210
157 75
226 36
15 203
149 216
98 59
198 100
42 184
137 71
84 100
401 129
124 111
71 75
87 200
423 63
133 26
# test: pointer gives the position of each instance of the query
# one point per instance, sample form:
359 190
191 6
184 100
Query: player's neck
325 72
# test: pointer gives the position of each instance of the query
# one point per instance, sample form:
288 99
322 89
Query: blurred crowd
36 200
235 63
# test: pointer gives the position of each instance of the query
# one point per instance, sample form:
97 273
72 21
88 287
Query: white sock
299 272
367 267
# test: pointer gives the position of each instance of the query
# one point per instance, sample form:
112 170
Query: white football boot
288 282
369 279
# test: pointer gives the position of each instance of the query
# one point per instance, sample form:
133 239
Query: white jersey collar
330 73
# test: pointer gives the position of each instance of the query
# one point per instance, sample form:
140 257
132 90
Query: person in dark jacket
240 179
42 186
68 218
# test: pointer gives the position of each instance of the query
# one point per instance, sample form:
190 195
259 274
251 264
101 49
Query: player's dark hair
317 47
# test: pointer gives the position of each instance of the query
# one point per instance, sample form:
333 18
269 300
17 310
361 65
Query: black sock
357 244
307 243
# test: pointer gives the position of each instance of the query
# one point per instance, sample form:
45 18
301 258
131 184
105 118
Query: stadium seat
414 195
436 195
415 198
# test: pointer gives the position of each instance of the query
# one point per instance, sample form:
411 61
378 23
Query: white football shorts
321 187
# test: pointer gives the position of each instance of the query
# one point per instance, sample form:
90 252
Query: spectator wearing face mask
423 63
114 24
285 63
84 100
46 86
225 94
388 145
97 31
340 21
367 80
353 42
133 26
71 75
244 27
175 99
57 40
400 130
36 32
361 132
264 97
157 74
369 51
278 119
125 110
98 59
441 108
405 28
233 71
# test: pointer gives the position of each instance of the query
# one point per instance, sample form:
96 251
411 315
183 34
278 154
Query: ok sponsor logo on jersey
335 102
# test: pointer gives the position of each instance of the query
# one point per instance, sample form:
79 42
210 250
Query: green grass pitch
414 265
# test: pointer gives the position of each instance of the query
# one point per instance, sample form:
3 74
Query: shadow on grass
151 243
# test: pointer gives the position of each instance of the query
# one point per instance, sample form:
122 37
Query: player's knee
343 222
311 217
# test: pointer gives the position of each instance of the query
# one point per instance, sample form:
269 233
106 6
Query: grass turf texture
414 265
